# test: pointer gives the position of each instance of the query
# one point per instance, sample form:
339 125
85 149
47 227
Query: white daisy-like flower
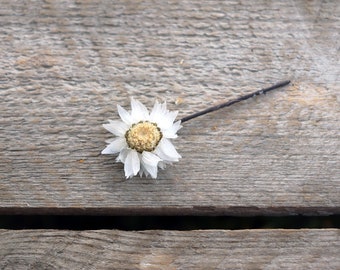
143 138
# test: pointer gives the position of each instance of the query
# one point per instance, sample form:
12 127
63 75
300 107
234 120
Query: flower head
143 138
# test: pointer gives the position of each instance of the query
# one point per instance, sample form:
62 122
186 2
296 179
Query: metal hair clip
143 138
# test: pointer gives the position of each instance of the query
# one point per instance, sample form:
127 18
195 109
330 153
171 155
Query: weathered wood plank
105 249
65 65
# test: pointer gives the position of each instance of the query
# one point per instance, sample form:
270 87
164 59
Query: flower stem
231 102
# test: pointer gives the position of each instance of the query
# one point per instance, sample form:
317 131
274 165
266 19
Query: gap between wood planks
165 222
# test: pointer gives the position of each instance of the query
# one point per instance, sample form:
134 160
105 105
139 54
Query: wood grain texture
105 249
65 65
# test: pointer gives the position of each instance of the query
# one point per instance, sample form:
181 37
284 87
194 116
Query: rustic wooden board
65 65
105 249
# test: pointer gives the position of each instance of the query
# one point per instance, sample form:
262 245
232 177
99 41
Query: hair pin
143 138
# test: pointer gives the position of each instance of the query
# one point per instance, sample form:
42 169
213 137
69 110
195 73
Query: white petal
132 164
150 158
157 112
116 127
166 151
151 169
171 116
149 162
138 111
122 155
143 171
171 132
124 115
116 146
108 141
161 116
166 120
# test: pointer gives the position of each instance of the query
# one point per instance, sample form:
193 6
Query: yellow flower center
143 136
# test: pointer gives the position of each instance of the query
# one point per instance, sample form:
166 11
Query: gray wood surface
105 249
65 65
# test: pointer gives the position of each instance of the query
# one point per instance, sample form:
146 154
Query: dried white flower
143 138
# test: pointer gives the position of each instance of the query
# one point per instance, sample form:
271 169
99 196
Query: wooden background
65 65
